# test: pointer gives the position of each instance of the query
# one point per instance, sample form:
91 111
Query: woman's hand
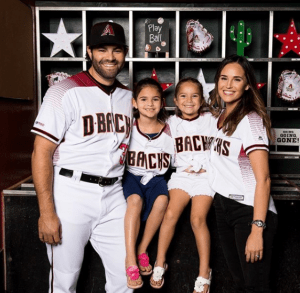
254 245
260 166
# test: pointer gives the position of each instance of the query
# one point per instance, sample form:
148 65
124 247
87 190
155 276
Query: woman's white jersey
233 175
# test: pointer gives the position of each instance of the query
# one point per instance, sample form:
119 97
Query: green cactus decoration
240 43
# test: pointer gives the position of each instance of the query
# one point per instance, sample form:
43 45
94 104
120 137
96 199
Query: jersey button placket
113 127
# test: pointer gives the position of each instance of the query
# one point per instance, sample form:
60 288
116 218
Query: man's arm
42 172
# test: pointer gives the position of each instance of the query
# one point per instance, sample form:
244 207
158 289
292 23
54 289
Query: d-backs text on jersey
149 161
103 123
222 147
193 143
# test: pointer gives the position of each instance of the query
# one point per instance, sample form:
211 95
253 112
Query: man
83 130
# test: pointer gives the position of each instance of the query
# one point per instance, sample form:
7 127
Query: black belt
102 181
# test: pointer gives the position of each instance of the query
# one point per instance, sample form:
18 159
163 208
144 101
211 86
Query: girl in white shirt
144 185
191 132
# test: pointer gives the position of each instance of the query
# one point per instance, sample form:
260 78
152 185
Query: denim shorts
149 192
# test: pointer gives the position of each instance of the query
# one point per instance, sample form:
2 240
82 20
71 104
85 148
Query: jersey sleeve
55 114
253 133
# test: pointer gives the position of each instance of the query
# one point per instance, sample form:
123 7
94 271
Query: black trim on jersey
46 133
256 145
120 85
107 89
186 119
145 135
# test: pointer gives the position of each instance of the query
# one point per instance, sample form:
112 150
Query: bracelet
259 223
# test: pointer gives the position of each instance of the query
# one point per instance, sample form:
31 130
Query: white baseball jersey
233 175
191 141
149 157
90 127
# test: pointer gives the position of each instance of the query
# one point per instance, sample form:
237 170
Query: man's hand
42 172
50 229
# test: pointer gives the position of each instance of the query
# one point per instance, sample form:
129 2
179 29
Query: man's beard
107 74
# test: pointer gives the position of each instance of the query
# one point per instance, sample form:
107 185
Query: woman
246 215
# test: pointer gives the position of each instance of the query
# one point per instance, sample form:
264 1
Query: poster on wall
157 36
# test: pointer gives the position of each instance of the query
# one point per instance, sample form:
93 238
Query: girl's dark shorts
149 192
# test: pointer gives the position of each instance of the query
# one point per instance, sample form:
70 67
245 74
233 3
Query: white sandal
158 273
200 282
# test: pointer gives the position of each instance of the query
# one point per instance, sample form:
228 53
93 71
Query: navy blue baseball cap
107 33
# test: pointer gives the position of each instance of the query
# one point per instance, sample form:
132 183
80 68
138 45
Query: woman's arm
260 165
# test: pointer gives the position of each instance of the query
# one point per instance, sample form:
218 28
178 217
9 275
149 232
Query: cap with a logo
108 32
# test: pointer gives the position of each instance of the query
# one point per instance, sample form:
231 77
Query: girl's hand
254 245
189 170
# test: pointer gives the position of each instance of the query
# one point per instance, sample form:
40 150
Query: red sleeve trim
248 149
46 133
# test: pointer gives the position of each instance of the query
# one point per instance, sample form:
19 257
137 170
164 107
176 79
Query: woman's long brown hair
251 99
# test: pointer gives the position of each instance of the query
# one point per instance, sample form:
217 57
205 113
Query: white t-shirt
191 141
233 175
91 127
149 157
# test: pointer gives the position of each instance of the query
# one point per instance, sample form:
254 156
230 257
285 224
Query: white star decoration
207 87
62 40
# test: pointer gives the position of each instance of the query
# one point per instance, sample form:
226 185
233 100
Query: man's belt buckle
101 181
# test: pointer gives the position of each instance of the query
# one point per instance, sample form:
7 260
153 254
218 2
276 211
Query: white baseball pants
88 212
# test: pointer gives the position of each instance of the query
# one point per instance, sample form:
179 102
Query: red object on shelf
290 41
163 85
260 85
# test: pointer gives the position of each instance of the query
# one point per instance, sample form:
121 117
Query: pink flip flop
143 262
133 274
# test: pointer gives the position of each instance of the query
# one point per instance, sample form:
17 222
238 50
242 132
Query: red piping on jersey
46 133
158 135
87 79
256 145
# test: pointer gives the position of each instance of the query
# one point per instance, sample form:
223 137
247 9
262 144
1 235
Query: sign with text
287 136
156 35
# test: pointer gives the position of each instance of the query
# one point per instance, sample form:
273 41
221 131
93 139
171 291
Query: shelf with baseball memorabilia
246 33
165 74
287 140
286 86
201 34
286 125
261 74
203 71
154 34
60 35
56 71
286 35
204 35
